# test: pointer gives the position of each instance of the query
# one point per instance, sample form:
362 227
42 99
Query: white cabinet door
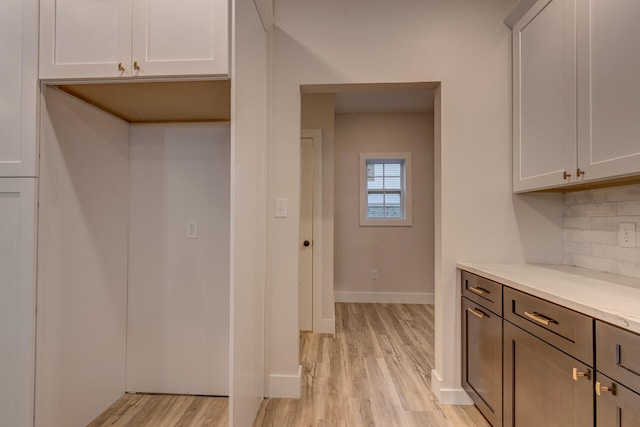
17 300
185 38
544 111
608 91
85 39
19 91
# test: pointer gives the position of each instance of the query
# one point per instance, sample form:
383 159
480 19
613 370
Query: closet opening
133 249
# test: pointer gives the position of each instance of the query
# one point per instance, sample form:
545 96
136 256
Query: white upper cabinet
576 97
85 39
608 88
19 91
178 38
133 38
544 81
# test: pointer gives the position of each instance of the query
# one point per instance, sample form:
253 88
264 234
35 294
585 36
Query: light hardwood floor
375 371
157 410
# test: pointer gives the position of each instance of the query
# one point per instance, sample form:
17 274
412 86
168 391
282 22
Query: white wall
465 46
178 305
82 262
402 256
248 140
591 220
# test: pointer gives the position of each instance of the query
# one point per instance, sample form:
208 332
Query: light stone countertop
608 297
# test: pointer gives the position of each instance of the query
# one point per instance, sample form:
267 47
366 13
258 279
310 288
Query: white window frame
406 191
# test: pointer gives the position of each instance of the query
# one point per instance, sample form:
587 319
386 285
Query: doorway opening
358 263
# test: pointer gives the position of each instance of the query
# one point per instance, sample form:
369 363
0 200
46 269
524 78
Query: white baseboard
448 396
325 326
385 297
285 386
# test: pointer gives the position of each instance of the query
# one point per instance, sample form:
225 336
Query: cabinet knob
578 374
600 389
579 172
120 67
136 66
566 175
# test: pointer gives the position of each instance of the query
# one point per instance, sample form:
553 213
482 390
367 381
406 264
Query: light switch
281 208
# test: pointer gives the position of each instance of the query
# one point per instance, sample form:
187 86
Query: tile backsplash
590 226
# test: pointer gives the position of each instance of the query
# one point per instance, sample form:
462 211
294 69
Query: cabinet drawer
618 354
561 327
484 292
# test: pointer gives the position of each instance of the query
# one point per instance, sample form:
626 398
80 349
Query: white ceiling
413 101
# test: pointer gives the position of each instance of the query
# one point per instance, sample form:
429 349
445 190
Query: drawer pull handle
539 318
577 374
478 290
600 389
476 312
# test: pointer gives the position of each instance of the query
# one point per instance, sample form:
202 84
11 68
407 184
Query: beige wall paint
462 44
318 112
403 256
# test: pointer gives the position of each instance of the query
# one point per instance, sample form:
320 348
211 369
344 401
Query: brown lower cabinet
616 405
539 385
482 360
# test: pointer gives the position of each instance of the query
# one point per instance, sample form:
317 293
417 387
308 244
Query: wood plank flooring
158 410
376 371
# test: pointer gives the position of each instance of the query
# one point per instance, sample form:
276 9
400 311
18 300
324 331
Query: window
385 189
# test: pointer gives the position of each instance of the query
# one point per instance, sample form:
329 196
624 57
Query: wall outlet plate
627 235
191 231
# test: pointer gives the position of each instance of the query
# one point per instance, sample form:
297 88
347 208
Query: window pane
385 188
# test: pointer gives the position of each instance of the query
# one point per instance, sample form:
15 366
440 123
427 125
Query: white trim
285 386
386 297
325 326
448 396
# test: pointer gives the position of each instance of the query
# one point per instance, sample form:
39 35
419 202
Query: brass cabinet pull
120 67
577 374
476 312
478 290
539 318
566 175
600 388
136 66
579 172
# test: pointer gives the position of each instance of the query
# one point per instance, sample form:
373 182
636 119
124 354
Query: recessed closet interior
133 259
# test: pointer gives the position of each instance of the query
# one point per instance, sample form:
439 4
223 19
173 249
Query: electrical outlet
192 229
627 235
374 274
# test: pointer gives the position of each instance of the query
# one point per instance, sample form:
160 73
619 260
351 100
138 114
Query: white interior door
305 272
